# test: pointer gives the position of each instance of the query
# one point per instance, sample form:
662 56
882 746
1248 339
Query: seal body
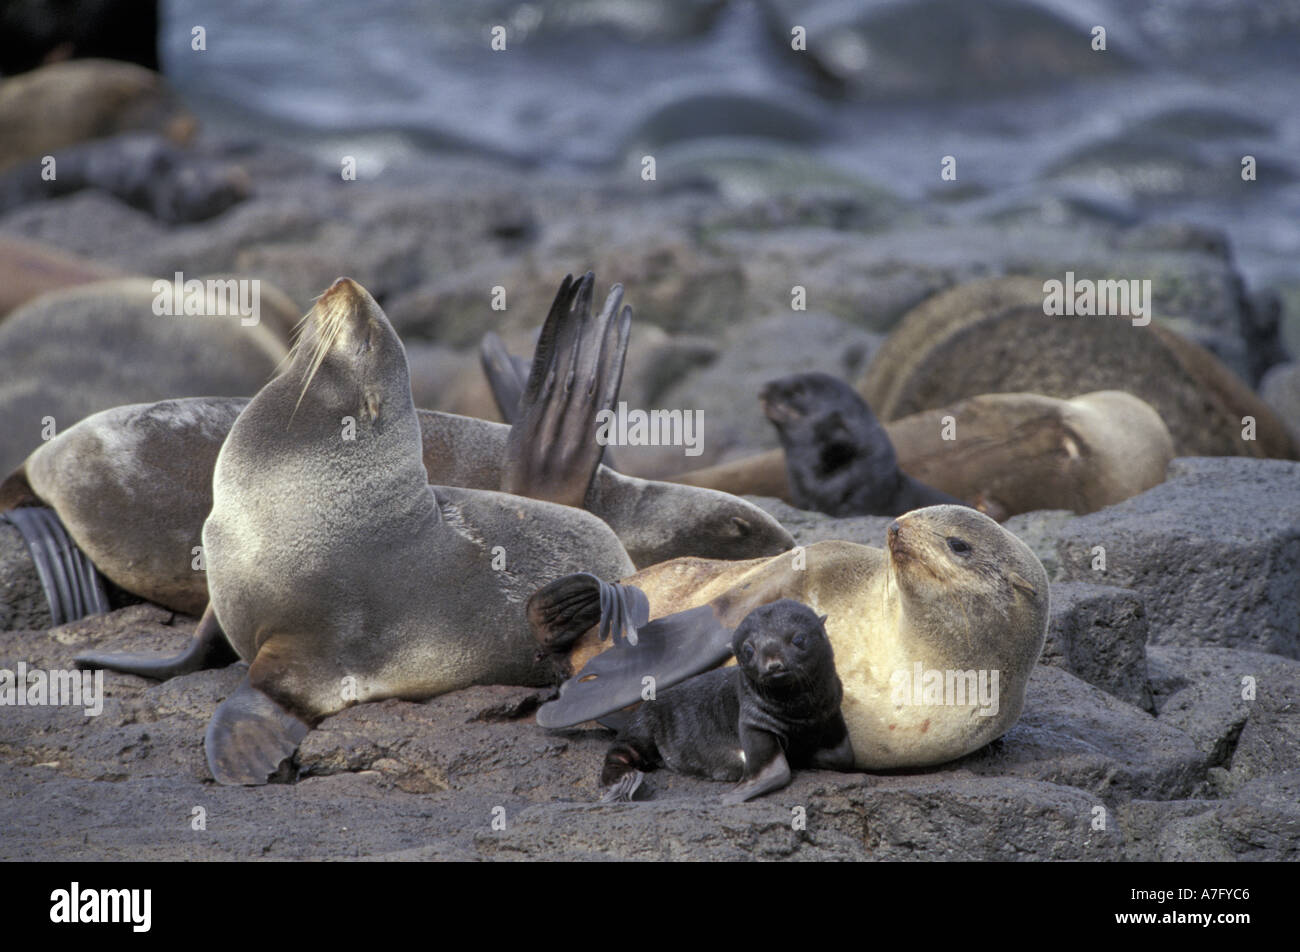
1008 453
953 593
339 574
838 457
779 708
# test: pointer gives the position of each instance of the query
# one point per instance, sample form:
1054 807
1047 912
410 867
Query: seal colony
322 506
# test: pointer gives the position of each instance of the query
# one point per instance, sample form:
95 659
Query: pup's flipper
73 586
249 736
208 649
669 650
559 613
552 452
506 374
625 789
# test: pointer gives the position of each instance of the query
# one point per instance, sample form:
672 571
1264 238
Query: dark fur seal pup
780 708
838 457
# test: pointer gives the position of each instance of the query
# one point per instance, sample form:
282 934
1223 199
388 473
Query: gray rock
1072 733
1261 822
1206 692
1040 531
1099 633
1214 551
809 527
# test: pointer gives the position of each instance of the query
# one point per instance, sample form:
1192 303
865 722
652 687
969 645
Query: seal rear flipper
551 453
559 613
624 789
73 586
504 374
208 649
249 736
669 650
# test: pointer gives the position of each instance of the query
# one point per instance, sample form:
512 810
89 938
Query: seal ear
1019 581
821 619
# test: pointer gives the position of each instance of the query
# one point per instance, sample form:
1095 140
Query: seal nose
773 665
895 528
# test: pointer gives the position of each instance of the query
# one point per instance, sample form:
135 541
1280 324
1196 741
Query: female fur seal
778 708
934 638
838 457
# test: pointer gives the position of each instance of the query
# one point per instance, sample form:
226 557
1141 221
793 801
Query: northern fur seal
992 336
322 512
1012 453
838 457
934 638
778 708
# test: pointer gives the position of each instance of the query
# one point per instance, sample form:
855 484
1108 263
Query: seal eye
960 546
799 640
747 652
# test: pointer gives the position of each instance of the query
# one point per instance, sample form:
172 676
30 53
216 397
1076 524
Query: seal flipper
577 371
208 649
249 736
506 375
73 586
562 611
669 649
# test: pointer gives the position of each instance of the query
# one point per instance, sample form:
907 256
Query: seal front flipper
576 374
766 768
668 650
839 757
208 649
249 736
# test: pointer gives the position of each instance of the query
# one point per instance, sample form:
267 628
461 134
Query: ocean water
1152 128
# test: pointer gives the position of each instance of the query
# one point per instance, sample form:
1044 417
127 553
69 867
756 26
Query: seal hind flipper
73 586
249 736
669 650
505 375
208 649
577 371
559 613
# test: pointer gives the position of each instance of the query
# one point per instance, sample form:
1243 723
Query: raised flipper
552 453
669 649
208 649
72 584
249 736
507 375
